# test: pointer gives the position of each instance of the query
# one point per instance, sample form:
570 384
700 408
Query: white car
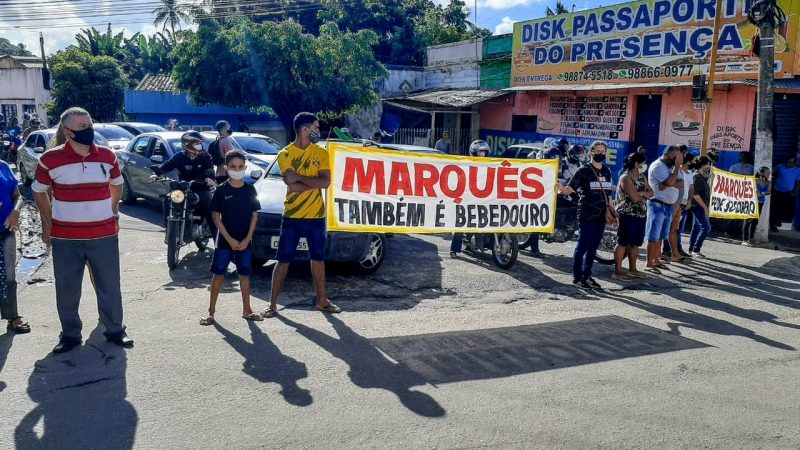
117 137
31 150
260 148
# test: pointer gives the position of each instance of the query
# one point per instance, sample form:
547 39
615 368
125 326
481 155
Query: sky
60 20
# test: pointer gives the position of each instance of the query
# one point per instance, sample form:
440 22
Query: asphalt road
429 353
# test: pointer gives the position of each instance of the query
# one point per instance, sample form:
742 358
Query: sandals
330 308
655 270
254 317
636 275
617 277
19 328
208 320
269 313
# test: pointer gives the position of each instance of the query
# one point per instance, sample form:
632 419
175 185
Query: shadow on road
81 400
265 363
6 340
369 369
149 212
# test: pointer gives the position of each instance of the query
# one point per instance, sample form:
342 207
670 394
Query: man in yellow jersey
306 172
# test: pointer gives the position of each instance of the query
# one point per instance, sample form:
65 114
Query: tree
560 9
276 64
96 83
7 48
172 13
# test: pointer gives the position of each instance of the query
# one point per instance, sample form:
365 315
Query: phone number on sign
590 75
656 72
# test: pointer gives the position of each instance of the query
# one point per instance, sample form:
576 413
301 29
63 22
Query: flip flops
269 313
254 317
206 321
330 308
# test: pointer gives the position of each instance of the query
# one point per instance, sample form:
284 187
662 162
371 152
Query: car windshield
115 133
258 145
151 128
100 140
274 170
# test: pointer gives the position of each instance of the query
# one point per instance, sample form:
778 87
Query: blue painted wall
159 107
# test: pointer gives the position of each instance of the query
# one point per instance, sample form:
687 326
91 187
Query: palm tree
172 13
560 9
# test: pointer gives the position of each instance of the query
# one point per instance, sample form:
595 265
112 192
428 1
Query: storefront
623 74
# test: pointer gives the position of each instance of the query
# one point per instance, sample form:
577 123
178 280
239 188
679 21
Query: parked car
365 252
521 151
33 147
117 137
137 128
155 148
261 149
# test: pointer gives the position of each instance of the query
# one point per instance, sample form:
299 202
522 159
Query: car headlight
177 196
256 174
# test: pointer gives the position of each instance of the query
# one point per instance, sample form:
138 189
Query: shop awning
609 86
445 100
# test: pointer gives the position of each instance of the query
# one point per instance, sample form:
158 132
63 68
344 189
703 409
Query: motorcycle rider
477 149
571 162
36 124
194 166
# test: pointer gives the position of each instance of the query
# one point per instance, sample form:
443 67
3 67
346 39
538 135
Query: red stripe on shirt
88 192
85 230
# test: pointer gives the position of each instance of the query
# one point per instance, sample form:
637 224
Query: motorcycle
504 247
183 227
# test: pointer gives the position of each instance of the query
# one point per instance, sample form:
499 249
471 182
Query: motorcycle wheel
524 239
505 249
173 244
605 252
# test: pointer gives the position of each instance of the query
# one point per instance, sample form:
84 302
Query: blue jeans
700 229
223 257
585 251
659 219
457 242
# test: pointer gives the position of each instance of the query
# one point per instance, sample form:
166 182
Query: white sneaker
746 244
698 255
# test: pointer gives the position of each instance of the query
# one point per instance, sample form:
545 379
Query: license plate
302 245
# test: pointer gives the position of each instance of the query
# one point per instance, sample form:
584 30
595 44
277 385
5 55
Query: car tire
373 257
128 196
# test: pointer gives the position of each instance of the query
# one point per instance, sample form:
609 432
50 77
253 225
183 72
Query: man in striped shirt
81 224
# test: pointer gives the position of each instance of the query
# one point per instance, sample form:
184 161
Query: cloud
505 26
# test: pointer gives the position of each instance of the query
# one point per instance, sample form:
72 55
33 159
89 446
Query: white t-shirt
688 179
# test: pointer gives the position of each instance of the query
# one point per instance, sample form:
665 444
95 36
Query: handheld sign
733 196
375 190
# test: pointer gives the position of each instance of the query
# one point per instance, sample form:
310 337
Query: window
9 112
159 149
524 123
31 142
30 109
140 146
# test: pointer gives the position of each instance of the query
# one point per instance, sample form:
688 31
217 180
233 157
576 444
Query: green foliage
96 83
277 64
7 48
560 9
172 13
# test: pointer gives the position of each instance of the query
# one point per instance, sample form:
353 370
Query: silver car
137 128
31 150
117 137
148 149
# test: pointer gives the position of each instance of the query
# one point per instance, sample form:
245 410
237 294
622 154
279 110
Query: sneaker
592 284
684 254
746 244
698 255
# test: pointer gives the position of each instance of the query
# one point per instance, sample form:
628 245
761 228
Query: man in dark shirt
235 207
194 165
593 185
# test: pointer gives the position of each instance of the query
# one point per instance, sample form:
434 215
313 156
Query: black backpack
216 155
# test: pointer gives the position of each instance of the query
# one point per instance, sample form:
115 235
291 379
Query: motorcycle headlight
177 196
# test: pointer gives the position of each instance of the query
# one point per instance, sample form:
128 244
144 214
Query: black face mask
598 157
83 137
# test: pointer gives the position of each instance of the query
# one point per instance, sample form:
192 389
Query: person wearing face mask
681 211
81 225
593 185
306 172
663 176
632 195
194 166
763 186
235 207
701 198
572 162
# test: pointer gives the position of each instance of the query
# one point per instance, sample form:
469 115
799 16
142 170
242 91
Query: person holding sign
306 171
700 202
664 179
763 187
592 182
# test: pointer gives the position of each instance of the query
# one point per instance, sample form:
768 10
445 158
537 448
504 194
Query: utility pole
712 72
766 15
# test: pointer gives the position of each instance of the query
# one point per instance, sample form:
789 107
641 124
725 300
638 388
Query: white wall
22 87
453 76
455 53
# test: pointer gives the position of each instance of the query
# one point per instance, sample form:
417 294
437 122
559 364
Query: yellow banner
733 196
646 41
383 191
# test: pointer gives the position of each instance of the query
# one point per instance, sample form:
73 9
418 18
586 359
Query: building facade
24 87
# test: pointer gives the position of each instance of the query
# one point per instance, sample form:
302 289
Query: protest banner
376 190
733 196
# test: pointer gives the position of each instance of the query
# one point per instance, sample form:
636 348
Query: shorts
631 230
224 256
659 219
314 230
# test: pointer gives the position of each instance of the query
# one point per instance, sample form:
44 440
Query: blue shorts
659 220
242 258
314 230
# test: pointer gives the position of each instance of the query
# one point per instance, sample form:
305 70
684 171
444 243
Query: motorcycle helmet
479 147
36 122
550 142
189 140
563 146
713 155
576 153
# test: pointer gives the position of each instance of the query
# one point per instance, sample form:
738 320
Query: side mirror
38 149
157 159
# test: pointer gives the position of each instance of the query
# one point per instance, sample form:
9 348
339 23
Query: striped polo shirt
81 191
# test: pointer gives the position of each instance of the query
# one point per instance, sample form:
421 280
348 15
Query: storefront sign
651 40
733 196
403 192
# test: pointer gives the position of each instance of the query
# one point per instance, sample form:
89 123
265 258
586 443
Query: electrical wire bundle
766 11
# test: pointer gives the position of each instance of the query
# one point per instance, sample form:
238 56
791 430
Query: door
158 148
136 164
27 155
648 125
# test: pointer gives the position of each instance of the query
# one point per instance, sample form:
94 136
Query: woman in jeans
632 194
763 187
10 205
700 201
